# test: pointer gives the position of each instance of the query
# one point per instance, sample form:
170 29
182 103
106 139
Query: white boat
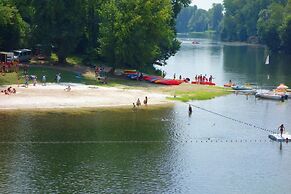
244 89
272 96
267 60
279 138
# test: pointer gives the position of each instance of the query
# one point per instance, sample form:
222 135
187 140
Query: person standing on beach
26 81
34 80
43 80
58 77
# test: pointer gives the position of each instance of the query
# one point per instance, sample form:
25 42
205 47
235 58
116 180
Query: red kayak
151 77
204 83
169 81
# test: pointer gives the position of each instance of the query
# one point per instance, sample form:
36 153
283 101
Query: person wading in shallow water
282 129
190 109
145 101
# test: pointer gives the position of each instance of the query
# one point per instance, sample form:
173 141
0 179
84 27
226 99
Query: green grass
75 60
8 78
202 94
66 76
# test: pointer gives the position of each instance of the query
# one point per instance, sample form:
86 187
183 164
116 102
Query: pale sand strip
53 96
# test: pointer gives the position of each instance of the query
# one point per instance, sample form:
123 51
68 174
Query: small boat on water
195 42
272 96
279 138
228 85
239 87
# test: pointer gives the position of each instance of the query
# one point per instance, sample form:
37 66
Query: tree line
262 21
131 33
193 19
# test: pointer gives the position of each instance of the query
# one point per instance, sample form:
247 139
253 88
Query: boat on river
228 85
272 96
279 138
240 88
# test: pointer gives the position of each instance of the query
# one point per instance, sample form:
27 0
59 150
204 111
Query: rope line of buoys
213 141
233 119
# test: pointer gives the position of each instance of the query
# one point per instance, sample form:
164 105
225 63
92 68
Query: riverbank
54 96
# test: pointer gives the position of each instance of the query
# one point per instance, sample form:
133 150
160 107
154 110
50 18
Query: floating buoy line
233 119
214 141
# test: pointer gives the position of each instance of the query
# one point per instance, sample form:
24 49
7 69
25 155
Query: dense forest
263 21
132 33
192 19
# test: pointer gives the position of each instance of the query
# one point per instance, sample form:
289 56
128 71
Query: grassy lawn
8 78
201 93
66 76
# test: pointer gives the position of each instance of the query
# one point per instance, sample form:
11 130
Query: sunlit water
240 63
153 150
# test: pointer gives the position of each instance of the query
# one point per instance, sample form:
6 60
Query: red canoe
169 81
204 83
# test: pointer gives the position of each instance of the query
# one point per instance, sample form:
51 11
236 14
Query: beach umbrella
282 86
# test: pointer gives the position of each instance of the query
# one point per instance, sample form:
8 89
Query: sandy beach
53 96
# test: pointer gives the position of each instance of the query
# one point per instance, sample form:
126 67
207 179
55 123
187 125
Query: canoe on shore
169 81
203 83
151 78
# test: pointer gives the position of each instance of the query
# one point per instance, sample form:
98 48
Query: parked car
22 55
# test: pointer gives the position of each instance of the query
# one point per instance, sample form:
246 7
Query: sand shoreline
53 96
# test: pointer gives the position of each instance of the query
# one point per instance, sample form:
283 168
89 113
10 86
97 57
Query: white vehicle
22 55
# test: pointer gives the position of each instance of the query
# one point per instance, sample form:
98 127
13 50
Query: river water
241 63
155 150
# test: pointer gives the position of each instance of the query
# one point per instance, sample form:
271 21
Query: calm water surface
156 150
240 63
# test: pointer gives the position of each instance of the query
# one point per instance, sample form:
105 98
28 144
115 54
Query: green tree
285 30
268 26
12 27
184 17
136 33
215 16
199 21
59 23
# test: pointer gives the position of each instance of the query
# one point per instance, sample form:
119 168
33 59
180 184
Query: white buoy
267 60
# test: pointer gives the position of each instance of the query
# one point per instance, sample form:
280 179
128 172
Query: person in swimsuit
282 129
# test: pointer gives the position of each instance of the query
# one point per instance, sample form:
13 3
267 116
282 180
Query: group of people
138 103
180 77
9 91
203 78
198 78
